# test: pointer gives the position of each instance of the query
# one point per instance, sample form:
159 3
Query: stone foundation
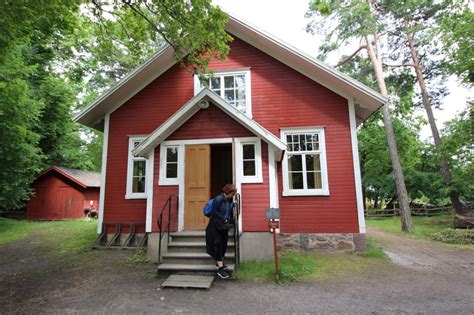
322 242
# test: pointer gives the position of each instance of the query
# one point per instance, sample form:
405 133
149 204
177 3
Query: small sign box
272 213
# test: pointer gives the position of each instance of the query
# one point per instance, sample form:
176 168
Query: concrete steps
186 253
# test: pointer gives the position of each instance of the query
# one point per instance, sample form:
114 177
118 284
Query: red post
275 251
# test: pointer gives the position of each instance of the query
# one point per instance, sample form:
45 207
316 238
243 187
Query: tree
358 20
414 25
50 52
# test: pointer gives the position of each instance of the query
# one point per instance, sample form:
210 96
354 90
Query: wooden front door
197 185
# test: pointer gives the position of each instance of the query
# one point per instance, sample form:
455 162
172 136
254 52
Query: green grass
424 227
66 236
300 266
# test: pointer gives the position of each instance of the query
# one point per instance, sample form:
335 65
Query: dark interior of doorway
221 167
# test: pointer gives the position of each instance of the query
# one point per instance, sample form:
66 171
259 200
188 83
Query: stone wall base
322 242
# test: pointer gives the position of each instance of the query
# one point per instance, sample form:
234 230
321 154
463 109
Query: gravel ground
34 279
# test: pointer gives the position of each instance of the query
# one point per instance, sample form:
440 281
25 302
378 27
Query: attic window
232 86
137 171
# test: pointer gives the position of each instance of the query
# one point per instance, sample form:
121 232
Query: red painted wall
281 97
255 199
57 198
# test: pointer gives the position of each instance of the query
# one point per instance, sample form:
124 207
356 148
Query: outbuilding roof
82 178
366 99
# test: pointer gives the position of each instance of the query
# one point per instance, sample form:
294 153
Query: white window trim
324 191
248 85
129 194
163 180
240 142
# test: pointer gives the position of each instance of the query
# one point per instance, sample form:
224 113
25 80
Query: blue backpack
208 208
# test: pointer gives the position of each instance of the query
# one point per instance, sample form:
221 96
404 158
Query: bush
454 236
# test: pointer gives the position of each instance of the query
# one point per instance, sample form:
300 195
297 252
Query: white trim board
149 191
103 174
356 166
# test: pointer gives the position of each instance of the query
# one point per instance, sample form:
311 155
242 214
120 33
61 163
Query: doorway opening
221 167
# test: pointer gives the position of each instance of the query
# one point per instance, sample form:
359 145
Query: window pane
313 162
303 142
136 143
240 105
288 139
240 81
172 154
315 141
249 168
296 180
139 168
249 151
138 185
229 96
215 83
295 163
171 170
228 82
314 180
240 95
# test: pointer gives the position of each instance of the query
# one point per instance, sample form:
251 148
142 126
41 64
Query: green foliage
13 230
458 146
454 236
140 257
424 227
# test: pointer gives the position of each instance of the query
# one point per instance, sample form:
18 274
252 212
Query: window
304 164
137 170
234 87
169 170
249 159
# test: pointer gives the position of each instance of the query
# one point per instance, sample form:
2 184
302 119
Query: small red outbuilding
63 193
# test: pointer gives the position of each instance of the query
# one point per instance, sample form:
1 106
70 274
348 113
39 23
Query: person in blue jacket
217 231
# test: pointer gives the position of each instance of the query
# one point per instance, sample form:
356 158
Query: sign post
272 214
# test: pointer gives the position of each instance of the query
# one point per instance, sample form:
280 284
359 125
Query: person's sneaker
223 267
223 274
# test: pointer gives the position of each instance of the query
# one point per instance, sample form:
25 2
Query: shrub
454 236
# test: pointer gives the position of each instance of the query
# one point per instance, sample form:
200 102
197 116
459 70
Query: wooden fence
416 212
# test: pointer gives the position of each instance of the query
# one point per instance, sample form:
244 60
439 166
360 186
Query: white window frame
248 90
163 180
240 142
324 191
129 194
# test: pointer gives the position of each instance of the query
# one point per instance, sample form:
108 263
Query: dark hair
229 188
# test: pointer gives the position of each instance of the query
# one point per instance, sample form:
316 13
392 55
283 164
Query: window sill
135 196
168 182
319 192
251 180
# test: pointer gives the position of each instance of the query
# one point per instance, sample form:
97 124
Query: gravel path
35 280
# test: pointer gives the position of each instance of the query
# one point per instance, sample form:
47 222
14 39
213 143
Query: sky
285 20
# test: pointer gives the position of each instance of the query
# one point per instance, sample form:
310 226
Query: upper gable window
232 86
137 171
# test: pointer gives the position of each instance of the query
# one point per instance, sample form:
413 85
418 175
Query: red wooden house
63 193
274 121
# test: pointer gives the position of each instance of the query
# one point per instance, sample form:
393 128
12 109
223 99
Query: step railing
237 231
166 206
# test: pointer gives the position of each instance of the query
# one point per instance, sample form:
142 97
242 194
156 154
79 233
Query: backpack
208 208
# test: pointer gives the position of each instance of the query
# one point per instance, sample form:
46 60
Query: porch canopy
201 102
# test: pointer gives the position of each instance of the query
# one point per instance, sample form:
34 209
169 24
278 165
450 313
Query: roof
82 178
201 102
366 99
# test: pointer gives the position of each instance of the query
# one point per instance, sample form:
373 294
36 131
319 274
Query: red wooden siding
160 195
208 124
255 199
57 198
281 97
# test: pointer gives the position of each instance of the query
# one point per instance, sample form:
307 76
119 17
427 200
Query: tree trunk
405 214
447 177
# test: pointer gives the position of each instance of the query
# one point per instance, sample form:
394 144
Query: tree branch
400 65
340 63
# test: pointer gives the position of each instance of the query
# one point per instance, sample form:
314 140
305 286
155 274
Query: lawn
437 228
65 236
424 227
300 266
